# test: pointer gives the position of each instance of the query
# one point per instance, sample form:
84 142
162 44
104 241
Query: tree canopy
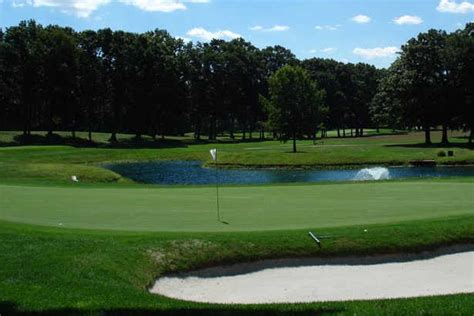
55 78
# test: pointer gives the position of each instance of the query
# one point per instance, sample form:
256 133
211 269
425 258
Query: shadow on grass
56 139
434 145
7 308
129 143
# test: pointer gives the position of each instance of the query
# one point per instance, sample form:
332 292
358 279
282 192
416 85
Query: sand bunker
337 279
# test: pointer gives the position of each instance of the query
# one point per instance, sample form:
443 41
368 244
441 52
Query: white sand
446 274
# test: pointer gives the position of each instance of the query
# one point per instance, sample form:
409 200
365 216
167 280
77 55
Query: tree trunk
471 135
361 133
232 128
89 136
344 132
427 136
197 130
113 137
294 142
444 139
338 133
73 129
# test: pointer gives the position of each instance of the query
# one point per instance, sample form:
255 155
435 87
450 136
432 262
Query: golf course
98 244
216 157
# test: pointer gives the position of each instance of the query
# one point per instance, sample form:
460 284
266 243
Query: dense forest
54 78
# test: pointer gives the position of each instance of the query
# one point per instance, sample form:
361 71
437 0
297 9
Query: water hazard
192 172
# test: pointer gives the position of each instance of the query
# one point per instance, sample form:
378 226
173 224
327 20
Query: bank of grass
84 271
36 162
63 270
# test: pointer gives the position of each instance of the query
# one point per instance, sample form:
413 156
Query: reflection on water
191 172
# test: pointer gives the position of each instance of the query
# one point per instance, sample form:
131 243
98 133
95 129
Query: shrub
441 153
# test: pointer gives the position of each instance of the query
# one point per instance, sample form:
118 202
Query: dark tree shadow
434 145
56 139
8 308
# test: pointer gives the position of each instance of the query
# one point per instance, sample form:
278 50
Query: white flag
213 154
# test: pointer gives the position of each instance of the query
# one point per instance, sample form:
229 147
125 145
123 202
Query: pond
192 172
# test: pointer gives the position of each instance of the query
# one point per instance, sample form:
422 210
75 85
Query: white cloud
21 3
408 20
323 50
84 8
452 6
328 49
377 52
156 5
361 19
275 28
328 27
203 34
184 38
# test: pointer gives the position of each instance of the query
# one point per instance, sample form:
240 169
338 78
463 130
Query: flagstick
217 192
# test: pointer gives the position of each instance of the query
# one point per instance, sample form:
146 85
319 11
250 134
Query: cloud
327 27
275 28
84 8
377 52
451 6
323 50
408 20
184 38
156 5
203 34
361 19
328 49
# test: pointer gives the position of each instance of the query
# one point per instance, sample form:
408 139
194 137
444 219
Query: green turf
35 162
244 208
67 270
117 236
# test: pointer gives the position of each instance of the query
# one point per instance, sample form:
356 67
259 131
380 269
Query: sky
369 31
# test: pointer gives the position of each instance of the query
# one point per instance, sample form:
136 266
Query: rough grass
75 271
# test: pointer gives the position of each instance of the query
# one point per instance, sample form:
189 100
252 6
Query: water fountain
375 173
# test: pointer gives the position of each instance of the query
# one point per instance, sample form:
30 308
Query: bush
441 153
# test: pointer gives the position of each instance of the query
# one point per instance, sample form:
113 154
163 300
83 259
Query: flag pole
214 154
217 192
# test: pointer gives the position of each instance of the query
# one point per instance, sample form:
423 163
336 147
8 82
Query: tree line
431 84
57 79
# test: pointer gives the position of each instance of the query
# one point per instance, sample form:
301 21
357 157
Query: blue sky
346 30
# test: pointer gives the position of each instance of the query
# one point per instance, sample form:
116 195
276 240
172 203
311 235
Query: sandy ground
287 281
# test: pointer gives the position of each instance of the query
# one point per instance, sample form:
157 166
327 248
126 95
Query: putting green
243 208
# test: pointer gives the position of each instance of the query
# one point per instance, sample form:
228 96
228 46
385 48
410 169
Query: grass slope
244 208
36 162
66 271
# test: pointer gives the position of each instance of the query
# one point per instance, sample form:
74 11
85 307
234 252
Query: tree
422 62
26 55
60 70
294 102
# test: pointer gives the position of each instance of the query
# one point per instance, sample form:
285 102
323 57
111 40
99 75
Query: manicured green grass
35 163
117 236
67 270
244 208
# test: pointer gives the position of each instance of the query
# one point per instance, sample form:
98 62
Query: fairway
248 208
